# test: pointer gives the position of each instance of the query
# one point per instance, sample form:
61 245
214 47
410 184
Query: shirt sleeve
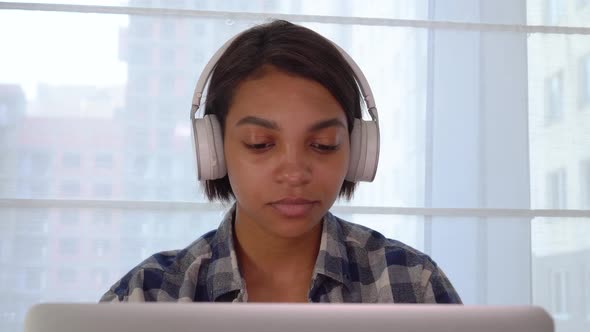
439 289
116 292
127 289
110 296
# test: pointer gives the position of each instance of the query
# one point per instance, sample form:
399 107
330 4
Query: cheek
335 171
332 172
239 161
244 175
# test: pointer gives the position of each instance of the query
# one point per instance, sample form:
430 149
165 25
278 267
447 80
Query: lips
294 207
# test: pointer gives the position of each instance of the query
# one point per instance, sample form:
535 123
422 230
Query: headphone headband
358 75
208 139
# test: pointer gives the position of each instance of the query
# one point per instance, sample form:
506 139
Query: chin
293 228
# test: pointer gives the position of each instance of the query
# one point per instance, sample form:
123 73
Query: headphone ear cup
355 151
371 137
208 144
364 151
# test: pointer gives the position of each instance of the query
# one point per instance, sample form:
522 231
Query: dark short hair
292 49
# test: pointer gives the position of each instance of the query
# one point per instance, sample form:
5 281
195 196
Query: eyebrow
326 124
258 122
253 120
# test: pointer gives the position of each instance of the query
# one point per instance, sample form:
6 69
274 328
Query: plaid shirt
354 264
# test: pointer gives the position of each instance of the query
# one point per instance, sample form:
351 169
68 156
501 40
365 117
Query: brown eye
324 147
259 146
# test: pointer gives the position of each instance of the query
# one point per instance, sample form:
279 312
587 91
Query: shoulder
374 244
160 276
409 274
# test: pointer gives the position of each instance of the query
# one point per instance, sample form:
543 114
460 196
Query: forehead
281 96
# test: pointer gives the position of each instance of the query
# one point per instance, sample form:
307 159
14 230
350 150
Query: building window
167 57
140 3
145 227
167 117
167 83
585 183
101 247
5 163
138 137
67 275
164 142
164 168
140 55
587 291
35 279
69 246
163 227
199 28
70 217
100 276
584 84
554 98
103 160
141 27
41 162
102 190
141 166
33 221
71 160
70 188
179 169
102 218
556 189
167 29
3 115
131 250
139 83
559 294
35 164
163 192
39 188
136 190
175 4
29 249
554 10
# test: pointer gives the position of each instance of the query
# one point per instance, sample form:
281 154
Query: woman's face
287 151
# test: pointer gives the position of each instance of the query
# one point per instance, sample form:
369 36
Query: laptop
251 317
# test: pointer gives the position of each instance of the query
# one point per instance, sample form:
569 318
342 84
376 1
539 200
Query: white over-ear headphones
207 136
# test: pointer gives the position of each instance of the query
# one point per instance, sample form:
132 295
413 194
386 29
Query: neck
265 255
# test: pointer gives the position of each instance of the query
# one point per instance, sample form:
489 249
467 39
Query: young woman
286 101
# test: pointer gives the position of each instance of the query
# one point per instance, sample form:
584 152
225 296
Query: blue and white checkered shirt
354 264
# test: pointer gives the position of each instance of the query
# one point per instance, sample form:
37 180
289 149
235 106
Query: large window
554 11
560 294
71 160
587 290
484 136
556 189
554 92
585 183
103 160
584 83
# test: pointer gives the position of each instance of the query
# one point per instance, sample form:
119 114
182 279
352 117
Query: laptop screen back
226 317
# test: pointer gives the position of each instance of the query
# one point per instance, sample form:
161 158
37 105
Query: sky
82 49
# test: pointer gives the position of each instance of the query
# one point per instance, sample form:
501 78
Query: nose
294 167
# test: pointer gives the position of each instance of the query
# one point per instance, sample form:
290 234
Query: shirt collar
333 261
224 274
